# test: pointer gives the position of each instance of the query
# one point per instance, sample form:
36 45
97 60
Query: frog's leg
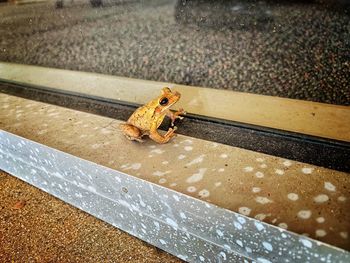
131 132
155 136
175 115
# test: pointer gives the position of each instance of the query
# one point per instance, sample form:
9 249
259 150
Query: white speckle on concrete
320 233
244 210
191 189
320 220
329 186
267 246
293 196
197 176
199 159
248 169
304 214
306 243
321 198
307 170
263 200
204 193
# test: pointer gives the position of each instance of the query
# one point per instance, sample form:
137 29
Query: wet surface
303 198
297 50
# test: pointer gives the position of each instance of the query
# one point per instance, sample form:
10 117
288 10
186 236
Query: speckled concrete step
302 198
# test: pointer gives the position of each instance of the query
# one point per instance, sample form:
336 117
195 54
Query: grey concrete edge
186 227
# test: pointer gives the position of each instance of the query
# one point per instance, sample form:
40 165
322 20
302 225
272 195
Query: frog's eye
164 101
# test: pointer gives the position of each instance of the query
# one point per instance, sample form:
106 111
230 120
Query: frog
147 118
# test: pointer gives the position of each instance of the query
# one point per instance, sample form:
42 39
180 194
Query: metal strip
189 228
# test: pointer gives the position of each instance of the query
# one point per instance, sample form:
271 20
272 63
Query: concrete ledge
317 119
267 188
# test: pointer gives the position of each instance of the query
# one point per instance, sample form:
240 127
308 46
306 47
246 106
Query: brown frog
146 119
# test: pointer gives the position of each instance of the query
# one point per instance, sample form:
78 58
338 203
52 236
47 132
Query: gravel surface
299 50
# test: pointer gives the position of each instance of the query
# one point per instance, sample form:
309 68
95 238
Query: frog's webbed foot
131 132
176 115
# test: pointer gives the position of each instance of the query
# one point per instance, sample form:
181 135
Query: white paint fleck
223 155
244 210
320 219
263 200
287 163
293 196
283 225
165 162
259 226
237 225
188 148
304 214
248 169
263 166
256 189
344 234
162 181
191 189
176 197
204 193
263 260
197 176
321 198
223 255
219 232
239 242
260 216
259 174
96 146
341 198
260 160
267 246
241 220
134 166
329 186
306 243
279 171
199 159
159 173
162 241
157 151
201 258
307 170
41 132
217 184
182 215
320 233
221 170
171 222
181 156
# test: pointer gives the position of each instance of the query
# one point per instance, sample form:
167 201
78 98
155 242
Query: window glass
294 49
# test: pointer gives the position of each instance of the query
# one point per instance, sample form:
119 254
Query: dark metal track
299 147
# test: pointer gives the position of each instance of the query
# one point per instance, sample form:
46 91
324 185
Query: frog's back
144 117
